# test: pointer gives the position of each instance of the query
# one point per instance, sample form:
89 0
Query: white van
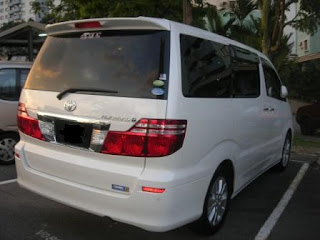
12 78
149 122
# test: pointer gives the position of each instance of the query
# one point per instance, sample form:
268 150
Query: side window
8 87
11 83
206 68
23 76
246 82
273 84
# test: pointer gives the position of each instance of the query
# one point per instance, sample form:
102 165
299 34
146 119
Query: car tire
305 127
285 155
215 206
7 142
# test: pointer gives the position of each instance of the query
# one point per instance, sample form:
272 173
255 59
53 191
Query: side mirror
284 92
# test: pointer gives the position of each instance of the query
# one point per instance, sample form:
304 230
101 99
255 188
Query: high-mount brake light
147 138
27 124
94 24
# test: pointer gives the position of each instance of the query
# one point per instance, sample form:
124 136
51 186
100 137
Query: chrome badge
70 105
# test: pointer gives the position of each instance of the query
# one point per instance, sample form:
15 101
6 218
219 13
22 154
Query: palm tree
245 25
215 21
241 21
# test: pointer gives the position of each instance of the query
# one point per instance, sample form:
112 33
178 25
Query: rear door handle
268 109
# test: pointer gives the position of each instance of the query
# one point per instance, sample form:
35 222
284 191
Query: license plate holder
73 133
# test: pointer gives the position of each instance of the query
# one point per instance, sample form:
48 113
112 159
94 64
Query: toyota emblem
70 105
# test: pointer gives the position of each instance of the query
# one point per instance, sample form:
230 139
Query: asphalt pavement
25 215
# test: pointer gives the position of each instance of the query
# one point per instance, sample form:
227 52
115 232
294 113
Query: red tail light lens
121 143
95 24
27 124
153 190
148 137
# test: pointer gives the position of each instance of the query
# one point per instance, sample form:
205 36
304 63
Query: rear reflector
95 24
27 124
147 138
153 190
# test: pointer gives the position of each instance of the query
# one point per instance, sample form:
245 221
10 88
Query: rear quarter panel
208 139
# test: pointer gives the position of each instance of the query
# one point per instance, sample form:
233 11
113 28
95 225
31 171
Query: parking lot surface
24 215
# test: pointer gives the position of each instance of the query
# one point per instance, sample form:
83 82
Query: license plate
73 133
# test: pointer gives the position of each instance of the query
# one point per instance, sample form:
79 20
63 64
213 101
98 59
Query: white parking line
8 181
297 161
267 227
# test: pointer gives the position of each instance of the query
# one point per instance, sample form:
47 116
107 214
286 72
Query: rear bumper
153 212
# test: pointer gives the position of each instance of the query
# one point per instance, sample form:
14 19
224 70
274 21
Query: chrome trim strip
43 116
98 126
166 126
165 132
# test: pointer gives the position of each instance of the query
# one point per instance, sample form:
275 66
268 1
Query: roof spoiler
139 23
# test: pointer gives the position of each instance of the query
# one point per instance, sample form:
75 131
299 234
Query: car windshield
128 62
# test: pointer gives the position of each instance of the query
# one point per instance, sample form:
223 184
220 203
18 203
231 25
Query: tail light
27 124
148 138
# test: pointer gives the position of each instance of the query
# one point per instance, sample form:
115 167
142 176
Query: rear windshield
130 63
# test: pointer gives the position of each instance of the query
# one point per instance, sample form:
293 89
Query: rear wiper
73 90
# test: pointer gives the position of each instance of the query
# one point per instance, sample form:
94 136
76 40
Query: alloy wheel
218 199
7 149
286 152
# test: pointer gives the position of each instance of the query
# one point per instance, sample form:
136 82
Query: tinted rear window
215 70
206 68
128 62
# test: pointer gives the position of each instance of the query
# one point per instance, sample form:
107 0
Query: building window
305 45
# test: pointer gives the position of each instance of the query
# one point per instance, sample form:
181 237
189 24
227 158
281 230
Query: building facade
18 11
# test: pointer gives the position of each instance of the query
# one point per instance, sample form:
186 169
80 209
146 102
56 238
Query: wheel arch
227 167
290 132
9 132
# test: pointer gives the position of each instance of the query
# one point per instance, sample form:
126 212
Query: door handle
268 109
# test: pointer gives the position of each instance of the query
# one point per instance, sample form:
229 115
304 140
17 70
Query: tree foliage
274 20
216 22
307 18
302 80
81 9
236 21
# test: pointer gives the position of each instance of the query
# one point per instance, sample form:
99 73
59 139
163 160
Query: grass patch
299 141
306 145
